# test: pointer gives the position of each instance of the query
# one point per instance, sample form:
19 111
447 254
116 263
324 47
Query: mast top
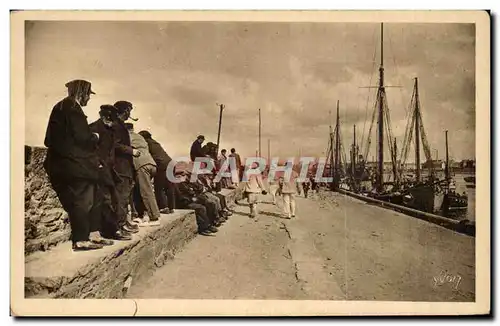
381 45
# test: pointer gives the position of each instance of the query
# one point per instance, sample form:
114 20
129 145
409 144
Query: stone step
105 273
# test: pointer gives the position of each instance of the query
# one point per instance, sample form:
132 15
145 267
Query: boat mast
353 160
417 132
447 167
260 125
337 149
394 166
381 91
330 151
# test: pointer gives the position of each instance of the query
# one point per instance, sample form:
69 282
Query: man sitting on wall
187 198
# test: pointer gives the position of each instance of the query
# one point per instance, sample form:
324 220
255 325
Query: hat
145 133
108 111
79 85
123 106
201 137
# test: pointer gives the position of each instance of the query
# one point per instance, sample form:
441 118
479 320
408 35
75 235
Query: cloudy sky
175 72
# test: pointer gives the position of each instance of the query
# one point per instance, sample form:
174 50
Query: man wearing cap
72 165
188 198
110 227
166 204
196 149
124 165
145 168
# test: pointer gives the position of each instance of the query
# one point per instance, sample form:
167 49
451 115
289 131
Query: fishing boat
333 158
416 192
470 181
454 204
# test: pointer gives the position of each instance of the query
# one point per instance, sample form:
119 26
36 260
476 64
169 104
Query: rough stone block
62 273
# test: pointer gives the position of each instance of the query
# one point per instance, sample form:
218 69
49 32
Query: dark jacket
196 150
70 143
105 150
124 164
185 194
158 153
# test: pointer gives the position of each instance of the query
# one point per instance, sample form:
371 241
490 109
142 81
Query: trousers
78 197
162 185
144 176
202 219
211 207
105 207
290 205
123 189
273 189
253 199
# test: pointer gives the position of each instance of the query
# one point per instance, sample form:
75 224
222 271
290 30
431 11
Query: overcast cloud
175 73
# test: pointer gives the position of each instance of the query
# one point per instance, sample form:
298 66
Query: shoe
204 232
129 229
212 229
121 235
102 241
150 223
217 223
86 245
293 216
229 213
137 220
165 210
131 225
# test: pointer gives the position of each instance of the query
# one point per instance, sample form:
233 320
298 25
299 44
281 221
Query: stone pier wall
45 222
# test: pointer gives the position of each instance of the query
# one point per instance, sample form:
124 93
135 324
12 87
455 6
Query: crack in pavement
314 282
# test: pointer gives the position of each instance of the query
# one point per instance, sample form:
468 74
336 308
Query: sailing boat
417 193
333 166
382 190
453 202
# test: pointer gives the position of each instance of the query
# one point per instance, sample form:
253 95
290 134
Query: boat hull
421 198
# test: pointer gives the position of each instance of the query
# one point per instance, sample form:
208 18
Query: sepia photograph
287 163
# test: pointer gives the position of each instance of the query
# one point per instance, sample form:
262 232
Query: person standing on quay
124 165
236 172
110 227
166 204
289 187
196 150
145 168
73 166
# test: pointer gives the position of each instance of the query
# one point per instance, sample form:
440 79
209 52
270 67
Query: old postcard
250 163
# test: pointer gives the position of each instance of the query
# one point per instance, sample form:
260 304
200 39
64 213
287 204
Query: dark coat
105 150
159 155
124 164
185 194
196 150
70 143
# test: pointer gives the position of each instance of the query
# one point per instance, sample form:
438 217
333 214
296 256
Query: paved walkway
337 248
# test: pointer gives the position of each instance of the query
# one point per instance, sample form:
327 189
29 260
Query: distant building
468 164
434 164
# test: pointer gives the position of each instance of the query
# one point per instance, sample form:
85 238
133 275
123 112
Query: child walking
253 187
288 189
